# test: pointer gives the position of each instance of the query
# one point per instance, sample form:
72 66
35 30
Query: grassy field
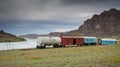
84 56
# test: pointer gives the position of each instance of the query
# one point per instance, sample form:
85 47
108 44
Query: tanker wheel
37 47
55 46
44 46
41 47
60 46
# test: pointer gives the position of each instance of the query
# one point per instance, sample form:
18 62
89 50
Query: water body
30 43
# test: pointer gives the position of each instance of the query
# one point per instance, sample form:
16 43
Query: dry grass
85 56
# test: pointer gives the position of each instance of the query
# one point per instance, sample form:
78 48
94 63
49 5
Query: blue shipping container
90 39
108 41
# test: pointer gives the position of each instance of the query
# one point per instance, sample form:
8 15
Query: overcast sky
44 16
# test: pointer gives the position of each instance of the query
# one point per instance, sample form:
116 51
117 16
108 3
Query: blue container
108 41
90 39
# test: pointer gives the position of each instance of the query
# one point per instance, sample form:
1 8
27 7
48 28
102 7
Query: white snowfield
47 40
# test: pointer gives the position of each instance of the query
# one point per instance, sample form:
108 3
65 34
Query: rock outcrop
105 24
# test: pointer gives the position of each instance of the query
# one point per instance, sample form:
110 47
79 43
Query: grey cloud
65 10
51 9
79 2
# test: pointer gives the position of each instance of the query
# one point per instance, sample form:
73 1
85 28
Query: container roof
72 37
77 37
109 39
89 37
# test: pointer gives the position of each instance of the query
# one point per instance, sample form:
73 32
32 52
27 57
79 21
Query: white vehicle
48 41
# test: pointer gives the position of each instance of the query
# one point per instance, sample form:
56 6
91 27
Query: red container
71 40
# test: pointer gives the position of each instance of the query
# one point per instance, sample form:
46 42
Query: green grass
84 56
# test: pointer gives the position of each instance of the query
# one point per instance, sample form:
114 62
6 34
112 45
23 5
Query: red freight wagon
71 40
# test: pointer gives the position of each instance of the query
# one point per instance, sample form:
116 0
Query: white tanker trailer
48 41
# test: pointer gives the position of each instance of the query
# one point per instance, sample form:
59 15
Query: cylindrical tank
47 40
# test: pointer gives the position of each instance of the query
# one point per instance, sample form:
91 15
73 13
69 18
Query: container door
74 41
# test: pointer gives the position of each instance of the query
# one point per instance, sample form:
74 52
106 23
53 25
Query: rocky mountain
7 37
105 24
